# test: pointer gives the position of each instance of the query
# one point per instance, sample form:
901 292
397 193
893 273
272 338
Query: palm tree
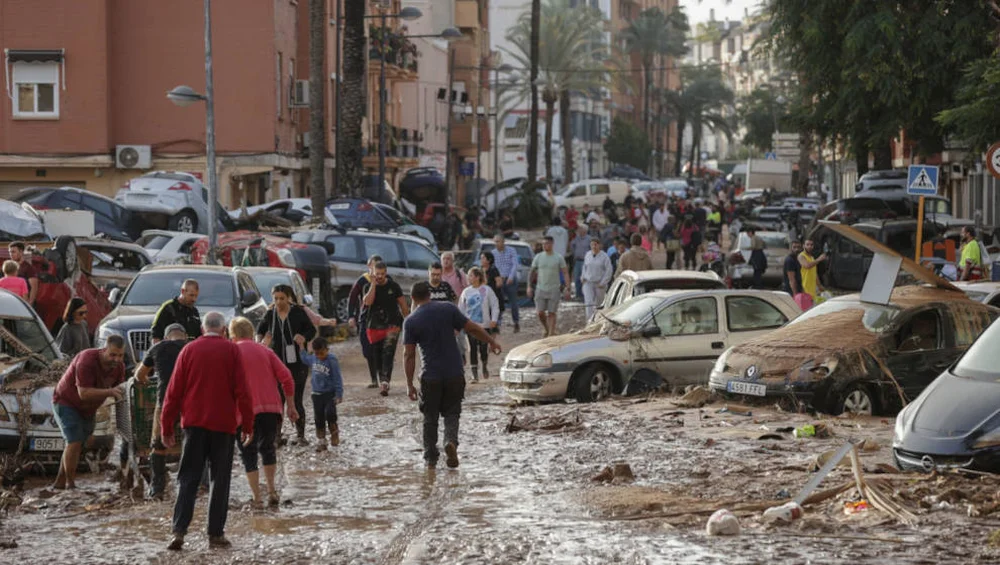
572 58
353 106
654 33
702 102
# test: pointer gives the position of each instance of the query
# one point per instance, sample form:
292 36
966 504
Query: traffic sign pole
920 230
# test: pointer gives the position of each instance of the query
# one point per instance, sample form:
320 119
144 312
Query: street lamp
184 96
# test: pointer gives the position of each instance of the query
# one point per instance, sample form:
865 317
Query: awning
35 55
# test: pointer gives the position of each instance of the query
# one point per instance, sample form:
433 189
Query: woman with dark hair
74 337
286 328
493 279
689 233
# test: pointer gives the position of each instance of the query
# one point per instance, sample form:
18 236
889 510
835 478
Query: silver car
172 200
164 246
677 334
114 264
776 246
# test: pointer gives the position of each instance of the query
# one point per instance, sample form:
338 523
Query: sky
698 10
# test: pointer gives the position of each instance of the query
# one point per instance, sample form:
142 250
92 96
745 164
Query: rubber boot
334 435
158 475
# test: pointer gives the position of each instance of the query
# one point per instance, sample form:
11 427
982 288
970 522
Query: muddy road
529 497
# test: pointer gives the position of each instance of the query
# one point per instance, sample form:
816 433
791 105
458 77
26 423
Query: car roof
912 295
85 242
660 274
12 306
514 242
192 268
674 293
172 233
268 270
67 189
369 233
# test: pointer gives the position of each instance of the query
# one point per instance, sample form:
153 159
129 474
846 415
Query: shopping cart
134 423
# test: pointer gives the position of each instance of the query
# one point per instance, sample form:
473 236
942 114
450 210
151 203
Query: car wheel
342 308
856 400
185 222
593 383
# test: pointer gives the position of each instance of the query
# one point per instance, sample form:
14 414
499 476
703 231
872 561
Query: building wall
84 97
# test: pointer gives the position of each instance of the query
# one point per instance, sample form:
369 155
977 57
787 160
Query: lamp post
185 96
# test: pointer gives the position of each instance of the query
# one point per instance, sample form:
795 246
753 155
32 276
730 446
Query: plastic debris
807 430
722 523
856 507
784 513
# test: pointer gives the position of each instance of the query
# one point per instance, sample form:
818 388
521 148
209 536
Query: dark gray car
230 290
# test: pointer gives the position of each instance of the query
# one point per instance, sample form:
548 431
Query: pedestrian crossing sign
922 180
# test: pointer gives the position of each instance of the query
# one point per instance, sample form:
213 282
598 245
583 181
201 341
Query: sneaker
334 435
451 455
300 441
219 542
177 543
475 374
384 389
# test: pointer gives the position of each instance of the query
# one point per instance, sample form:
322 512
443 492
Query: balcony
467 14
404 147
400 54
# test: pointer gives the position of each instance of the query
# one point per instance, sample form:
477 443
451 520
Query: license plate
47 444
752 389
514 376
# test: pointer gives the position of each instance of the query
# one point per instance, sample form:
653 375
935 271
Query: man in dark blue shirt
791 274
432 326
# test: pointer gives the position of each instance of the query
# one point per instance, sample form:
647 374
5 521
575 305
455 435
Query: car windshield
775 241
633 311
154 242
875 317
676 186
647 186
982 361
32 334
153 289
936 206
267 281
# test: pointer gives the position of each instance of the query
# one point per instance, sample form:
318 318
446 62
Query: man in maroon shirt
207 389
25 270
92 377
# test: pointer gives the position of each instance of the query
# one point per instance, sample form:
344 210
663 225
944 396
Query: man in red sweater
207 389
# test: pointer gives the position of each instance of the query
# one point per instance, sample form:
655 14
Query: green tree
975 119
628 144
534 58
654 33
702 102
762 113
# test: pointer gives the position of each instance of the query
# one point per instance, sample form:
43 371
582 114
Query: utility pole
382 96
336 63
317 107
450 95
213 180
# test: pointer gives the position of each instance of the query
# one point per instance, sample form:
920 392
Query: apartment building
86 79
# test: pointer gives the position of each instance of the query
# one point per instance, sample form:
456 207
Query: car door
390 250
690 339
748 317
255 311
915 366
597 193
346 261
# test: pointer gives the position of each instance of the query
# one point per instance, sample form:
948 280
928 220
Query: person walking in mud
162 357
479 304
507 262
595 277
181 310
432 327
93 376
548 266
358 316
207 390
386 309
287 329
265 374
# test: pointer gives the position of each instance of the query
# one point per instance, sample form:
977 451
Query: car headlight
4 416
286 257
900 427
103 333
543 360
720 363
103 414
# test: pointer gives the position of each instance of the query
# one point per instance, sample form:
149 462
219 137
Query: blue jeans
510 293
577 272
75 428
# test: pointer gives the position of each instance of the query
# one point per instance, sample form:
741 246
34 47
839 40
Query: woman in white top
479 304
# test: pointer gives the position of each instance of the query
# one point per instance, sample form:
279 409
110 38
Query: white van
592 192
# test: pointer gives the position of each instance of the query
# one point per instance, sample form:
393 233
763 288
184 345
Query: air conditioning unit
300 94
133 157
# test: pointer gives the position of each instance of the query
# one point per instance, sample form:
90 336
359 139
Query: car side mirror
114 296
307 300
249 298
651 331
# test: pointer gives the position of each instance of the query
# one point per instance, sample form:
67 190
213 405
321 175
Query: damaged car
30 367
955 422
675 334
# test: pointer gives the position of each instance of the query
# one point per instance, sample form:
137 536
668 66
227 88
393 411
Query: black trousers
203 446
265 434
384 355
300 374
324 410
689 256
366 349
478 350
441 399
758 274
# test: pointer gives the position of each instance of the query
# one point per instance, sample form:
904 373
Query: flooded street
523 497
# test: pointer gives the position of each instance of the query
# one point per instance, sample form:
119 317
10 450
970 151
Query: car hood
793 346
554 345
133 317
953 407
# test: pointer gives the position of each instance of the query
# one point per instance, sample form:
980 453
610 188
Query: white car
172 200
592 192
987 292
294 209
166 247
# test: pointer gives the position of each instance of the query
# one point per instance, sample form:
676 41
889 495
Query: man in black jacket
358 317
179 310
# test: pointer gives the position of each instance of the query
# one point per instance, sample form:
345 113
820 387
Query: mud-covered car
30 366
676 334
987 292
847 355
954 423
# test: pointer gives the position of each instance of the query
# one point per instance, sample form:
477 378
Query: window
245 282
388 249
277 85
615 294
746 313
694 316
291 88
418 256
345 249
968 329
186 246
36 90
524 254
921 333
600 189
577 191
99 207
155 242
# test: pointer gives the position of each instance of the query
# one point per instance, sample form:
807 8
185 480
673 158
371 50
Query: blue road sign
771 156
467 169
922 180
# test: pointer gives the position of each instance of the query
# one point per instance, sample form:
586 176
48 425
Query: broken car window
694 316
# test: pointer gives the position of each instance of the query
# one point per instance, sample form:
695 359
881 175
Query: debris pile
566 420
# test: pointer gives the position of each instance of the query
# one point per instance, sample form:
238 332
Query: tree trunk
820 166
353 107
317 107
681 124
566 128
646 84
883 156
805 145
550 108
658 131
536 16
860 150
695 129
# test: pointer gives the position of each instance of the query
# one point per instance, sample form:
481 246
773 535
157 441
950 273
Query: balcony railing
399 50
402 143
